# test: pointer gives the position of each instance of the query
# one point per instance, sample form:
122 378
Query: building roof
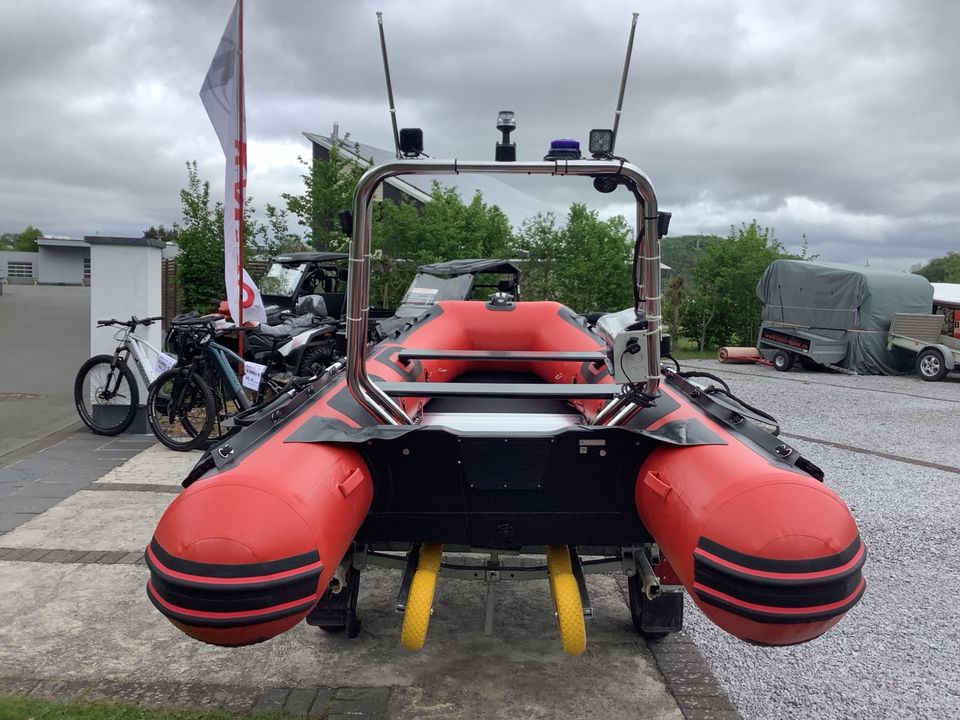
58 241
516 204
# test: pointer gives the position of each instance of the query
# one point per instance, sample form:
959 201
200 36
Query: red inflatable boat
494 427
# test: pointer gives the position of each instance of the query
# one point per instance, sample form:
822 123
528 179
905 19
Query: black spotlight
411 142
601 143
506 150
605 183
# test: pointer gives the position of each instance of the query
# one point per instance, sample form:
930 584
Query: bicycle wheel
181 410
106 395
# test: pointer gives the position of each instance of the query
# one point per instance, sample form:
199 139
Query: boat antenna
386 72
623 80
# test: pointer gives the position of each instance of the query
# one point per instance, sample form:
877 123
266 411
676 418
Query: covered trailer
834 314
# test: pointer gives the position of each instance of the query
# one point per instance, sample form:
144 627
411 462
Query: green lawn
687 350
17 708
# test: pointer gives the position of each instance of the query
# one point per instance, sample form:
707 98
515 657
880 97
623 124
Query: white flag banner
222 96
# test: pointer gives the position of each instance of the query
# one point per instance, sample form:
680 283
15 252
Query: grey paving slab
271 699
241 699
17 685
39 481
35 554
156 696
155 465
62 690
55 618
22 505
9 521
365 701
299 701
46 489
94 521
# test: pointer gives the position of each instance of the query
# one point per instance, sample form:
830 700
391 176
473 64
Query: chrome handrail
377 402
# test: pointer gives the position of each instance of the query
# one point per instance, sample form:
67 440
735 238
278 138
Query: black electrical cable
761 416
672 359
632 390
702 374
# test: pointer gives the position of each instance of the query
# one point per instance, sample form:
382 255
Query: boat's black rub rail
771 590
775 449
234 594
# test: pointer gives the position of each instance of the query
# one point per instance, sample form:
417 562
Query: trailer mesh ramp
926 328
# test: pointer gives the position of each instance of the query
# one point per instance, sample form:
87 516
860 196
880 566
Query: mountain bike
105 391
188 406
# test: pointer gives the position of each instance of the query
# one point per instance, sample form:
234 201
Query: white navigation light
506 150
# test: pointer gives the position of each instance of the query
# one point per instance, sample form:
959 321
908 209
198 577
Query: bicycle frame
135 347
220 355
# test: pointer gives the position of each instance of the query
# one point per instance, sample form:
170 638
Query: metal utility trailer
783 345
836 315
937 353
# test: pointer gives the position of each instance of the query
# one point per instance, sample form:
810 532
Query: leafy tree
279 239
724 307
27 240
200 239
328 189
675 295
7 240
941 269
680 252
161 232
444 229
541 247
586 264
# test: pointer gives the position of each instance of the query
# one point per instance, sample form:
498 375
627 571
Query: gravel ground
897 654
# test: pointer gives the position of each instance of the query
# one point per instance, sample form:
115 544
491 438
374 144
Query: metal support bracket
577 567
413 559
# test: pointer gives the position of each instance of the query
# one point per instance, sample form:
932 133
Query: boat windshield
427 289
281 279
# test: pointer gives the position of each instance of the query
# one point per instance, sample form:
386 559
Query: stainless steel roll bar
377 402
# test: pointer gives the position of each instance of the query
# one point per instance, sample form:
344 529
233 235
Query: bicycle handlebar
131 323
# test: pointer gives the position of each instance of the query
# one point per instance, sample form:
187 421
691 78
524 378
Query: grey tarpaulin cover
853 301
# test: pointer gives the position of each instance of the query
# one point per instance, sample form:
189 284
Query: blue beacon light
563 150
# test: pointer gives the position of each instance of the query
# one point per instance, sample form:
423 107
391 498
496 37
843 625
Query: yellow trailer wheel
573 630
416 615
566 600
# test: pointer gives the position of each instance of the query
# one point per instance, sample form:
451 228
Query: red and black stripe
771 590
231 594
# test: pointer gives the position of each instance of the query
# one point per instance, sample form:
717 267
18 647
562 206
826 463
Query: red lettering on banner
240 160
246 300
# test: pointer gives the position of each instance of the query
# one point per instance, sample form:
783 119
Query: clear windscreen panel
281 279
425 290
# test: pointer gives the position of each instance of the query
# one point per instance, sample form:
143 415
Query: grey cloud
733 108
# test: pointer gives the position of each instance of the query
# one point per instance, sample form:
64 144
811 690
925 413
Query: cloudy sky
837 120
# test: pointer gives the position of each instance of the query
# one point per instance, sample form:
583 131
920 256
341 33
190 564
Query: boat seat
596 356
580 391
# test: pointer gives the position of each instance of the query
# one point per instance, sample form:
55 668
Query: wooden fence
172 295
